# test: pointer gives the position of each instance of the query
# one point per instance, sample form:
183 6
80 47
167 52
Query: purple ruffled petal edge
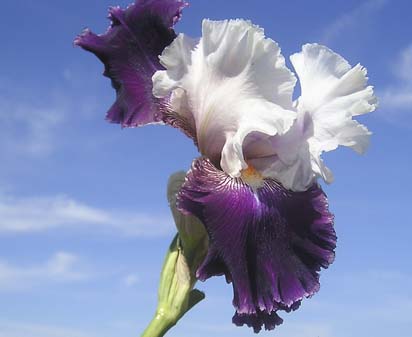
130 52
269 242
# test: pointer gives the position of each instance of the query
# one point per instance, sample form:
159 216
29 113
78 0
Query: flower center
252 177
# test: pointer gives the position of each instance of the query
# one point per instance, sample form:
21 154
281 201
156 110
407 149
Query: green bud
176 295
192 233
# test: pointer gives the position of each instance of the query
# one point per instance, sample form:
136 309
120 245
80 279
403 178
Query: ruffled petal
129 51
285 158
332 93
235 82
269 242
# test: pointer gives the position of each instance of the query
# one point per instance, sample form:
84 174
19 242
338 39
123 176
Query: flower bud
176 295
192 233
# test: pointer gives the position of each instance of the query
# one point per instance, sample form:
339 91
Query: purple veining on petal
130 52
183 123
269 242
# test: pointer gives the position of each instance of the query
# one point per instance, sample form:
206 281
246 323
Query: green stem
176 295
159 325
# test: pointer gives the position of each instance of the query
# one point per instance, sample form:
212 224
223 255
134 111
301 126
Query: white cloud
307 330
394 302
29 128
131 280
367 296
26 215
61 267
32 120
404 64
395 310
288 329
19 329
399 98
396 99
351 19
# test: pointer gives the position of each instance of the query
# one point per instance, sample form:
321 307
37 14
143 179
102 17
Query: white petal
318 167
176 58
285 158
332 93
235 81
296 175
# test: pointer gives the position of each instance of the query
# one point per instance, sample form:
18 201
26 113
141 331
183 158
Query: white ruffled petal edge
332 94
235 82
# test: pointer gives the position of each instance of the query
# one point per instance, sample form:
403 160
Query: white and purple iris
255 186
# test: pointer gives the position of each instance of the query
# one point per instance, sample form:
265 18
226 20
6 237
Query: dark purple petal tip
258 320
269 242
130 52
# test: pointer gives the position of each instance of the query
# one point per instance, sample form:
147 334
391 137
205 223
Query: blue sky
84 222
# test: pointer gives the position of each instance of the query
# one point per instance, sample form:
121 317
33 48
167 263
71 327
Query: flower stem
176 295
159 325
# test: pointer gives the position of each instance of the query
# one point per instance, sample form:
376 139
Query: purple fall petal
129 51
268 241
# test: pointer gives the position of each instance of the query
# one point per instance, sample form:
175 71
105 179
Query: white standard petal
332 94
235 82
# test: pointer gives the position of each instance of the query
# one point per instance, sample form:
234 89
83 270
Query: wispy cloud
404 70
61 267
28 215
396 99
19 329
394 302
32 119
351 19
373 295
289 329
131 280
307 330
29 128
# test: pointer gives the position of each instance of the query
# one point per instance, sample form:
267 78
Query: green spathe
176 294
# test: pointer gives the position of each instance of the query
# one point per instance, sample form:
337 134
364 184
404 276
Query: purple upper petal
270 242
129 50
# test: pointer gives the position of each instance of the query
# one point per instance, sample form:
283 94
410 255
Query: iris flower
255 187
